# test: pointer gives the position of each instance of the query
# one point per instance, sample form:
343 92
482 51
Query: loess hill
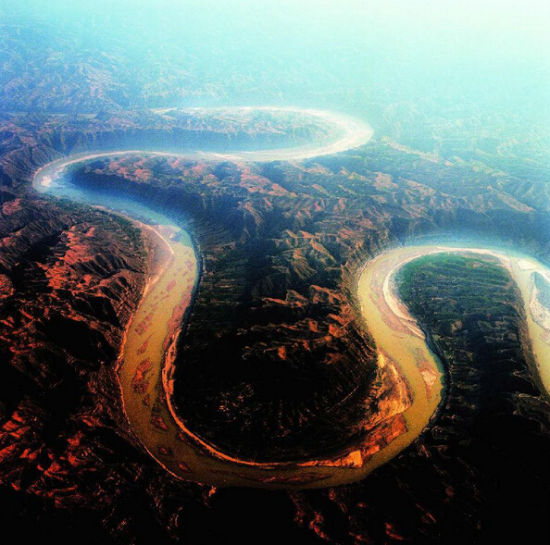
309 225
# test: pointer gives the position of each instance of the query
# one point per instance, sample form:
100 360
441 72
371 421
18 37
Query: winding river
145 368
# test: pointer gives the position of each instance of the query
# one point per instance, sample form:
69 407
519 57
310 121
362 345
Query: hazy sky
507 25
526 18
408 43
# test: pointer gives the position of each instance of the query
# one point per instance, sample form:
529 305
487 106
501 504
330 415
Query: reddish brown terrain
72 276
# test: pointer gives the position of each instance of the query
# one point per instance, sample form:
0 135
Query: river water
145 369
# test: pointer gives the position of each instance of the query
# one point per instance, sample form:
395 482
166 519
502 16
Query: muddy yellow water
399 339
538 317
146 380
146 377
